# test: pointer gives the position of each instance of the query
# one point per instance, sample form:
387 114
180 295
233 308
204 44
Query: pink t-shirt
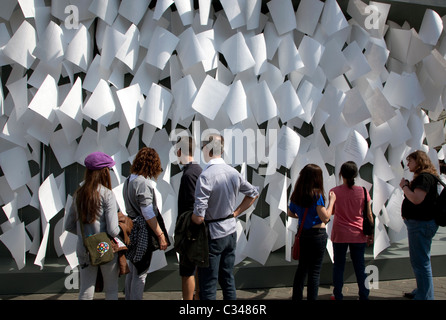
347 215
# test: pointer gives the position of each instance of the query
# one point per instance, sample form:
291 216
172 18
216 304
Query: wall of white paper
290 86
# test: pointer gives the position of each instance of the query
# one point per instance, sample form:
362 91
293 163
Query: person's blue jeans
357 255
420 234
312 249
221 265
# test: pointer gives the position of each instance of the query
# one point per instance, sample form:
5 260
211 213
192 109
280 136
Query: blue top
312 218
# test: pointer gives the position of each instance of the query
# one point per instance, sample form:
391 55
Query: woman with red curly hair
141 207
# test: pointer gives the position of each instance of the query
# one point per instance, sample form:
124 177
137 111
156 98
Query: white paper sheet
288 55
161 7
434 133
234 11
46 99
262 103
189 49
311 53
63 150
237 53
381 239
129 51
21 46
236 103
210 97
49 197
261 240
156 106
241 243
161 47
257 47
355 109
357 62
431 27
41 253
50 46
307 15
332 18
133 10
131 100
101 105
15 167
15 240
282 13
355 148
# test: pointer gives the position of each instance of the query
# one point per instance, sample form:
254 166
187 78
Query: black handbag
367 227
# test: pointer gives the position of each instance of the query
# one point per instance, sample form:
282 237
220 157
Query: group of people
346 205
208 198
210 193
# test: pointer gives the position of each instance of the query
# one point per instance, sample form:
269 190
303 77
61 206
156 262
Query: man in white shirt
215 200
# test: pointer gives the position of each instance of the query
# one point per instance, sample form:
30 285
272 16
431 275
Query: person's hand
162 241
332 196
370 239
403 183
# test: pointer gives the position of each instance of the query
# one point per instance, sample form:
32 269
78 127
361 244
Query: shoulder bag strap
301 225
439 180
365 202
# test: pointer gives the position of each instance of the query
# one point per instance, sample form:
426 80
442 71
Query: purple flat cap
98 160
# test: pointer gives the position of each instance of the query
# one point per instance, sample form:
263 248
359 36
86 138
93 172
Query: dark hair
215 143
309 186
147 163
88 198
349 171
186 144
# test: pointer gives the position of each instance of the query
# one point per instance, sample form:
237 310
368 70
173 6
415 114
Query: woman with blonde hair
142 207
94 206
418 214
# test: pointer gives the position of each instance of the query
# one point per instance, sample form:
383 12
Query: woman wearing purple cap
141 207
94 205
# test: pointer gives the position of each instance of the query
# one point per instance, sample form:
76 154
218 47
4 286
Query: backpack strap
438 180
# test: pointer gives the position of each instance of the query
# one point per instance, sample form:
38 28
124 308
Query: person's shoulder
194 169
106 191
426 176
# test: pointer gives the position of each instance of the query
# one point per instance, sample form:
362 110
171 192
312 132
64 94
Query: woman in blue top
309 193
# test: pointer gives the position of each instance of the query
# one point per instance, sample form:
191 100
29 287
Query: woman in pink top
347 230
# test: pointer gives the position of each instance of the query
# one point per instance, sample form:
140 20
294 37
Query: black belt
220 219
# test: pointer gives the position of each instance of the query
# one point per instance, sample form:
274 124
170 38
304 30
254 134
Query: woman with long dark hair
142 207
347 230
418 214
309 194
94 206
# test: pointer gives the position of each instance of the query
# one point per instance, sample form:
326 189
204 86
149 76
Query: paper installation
80 76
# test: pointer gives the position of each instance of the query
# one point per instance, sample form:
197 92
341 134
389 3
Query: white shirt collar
214 161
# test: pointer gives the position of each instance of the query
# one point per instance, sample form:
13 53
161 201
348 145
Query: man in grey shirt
215 200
